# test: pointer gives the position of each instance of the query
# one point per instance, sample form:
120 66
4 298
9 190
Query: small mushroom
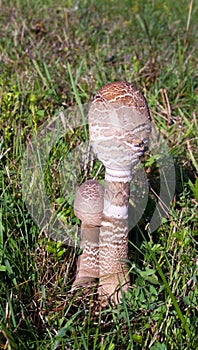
119 128
88 207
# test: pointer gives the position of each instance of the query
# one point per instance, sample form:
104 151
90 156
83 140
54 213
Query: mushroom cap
119 125
88 203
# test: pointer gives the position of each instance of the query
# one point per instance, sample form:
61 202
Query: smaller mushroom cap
88 203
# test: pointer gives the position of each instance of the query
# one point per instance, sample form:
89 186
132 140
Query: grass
55 56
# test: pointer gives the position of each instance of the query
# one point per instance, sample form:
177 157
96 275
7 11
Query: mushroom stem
88 261
113 247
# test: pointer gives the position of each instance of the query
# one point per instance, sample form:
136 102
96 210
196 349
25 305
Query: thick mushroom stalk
119 128
88 207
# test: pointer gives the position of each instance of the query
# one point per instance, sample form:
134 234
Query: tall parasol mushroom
119 128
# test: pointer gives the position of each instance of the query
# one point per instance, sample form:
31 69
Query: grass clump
54 56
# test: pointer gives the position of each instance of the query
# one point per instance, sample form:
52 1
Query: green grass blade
78 100
174 301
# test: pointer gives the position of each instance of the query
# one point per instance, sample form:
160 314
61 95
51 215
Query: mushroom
119 128
88 207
